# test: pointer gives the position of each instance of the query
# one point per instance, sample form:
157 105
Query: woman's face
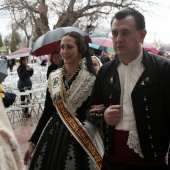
95 64
25 61
69 50
56 58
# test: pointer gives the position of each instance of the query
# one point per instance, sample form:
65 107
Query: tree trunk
66 19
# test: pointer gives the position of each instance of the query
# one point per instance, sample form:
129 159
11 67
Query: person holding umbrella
24 82
55 59
63 139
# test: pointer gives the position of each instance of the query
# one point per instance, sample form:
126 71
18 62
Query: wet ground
23 131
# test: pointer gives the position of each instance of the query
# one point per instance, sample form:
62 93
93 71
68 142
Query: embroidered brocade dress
56 148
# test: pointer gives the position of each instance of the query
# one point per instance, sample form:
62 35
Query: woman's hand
96 108
29 68
28 154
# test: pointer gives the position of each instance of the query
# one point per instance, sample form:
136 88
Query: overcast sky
157 23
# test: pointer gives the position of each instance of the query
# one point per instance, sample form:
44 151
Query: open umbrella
102 43
151 50
95 35
50 41
20 53
3 70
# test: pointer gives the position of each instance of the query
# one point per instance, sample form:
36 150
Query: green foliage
15 40
18 38
1 43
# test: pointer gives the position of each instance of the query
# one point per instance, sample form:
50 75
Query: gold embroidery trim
80 134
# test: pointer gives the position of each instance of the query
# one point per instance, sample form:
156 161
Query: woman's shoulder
21 66
51 68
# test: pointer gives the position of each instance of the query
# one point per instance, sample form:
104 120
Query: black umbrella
50 41
3 70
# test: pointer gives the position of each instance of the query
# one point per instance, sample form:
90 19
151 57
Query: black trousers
109 164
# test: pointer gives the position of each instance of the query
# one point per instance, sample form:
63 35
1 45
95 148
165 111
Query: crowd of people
103 112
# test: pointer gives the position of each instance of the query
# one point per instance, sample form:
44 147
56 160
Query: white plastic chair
38 98
31 106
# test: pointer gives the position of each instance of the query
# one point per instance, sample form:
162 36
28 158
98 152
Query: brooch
111 80
146 80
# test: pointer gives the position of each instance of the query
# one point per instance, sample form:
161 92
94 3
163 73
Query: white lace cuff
133 143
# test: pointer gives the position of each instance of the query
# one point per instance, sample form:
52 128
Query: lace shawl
80 89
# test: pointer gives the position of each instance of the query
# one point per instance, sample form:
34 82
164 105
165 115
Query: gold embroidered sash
72 123
79 132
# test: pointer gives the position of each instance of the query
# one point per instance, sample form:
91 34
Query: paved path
23 133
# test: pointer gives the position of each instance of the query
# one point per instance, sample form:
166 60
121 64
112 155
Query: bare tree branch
36 13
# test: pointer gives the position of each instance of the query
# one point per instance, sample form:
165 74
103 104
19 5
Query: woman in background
96 63
24 82
55 59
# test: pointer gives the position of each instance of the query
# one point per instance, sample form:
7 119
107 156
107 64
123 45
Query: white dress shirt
129 75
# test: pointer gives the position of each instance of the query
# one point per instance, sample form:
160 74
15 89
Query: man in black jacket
135 91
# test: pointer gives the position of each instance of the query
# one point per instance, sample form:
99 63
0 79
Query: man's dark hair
161 52
97 52
139 18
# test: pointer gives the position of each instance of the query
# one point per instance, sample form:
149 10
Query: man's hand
112 115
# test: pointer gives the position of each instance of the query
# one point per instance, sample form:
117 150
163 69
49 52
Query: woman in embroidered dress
60 146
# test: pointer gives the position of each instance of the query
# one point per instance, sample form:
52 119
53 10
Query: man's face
127 40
